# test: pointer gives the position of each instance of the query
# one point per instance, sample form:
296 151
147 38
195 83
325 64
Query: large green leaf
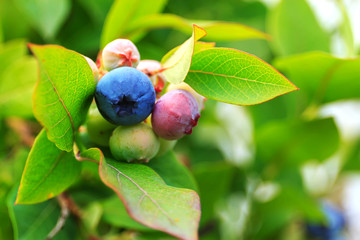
216 30
123 13
46 16
172 171
150 201
236 77
115 214
11 52
177 65
48 172
322 77
214 181
294 29
291 144
63 93
276 214
36 221
16 88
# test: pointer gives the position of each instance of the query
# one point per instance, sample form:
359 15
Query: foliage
239 176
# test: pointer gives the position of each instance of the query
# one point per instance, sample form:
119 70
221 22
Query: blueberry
125 96
134 143
335 222
175 114
119 53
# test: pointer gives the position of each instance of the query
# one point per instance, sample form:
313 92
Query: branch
67 206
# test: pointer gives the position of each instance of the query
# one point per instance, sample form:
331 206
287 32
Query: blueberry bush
155 119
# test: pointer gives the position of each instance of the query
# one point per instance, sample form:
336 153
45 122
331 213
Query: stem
63 216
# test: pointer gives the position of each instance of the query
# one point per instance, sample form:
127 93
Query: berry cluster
129 90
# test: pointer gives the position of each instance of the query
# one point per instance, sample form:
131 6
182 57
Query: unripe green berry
165 146
99 129
134 143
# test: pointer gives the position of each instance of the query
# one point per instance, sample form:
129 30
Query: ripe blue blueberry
175 114
125 96
335 223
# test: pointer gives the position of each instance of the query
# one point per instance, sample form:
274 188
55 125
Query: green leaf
36 221
46 16
214 181
236 77
322 77
216 30
96 9
291 144
199 46
346 30
158 21
230 31
172 171
294 29
291 202
178 64
48 172
63 93
150 201
123 13
11 52
115 214
16 88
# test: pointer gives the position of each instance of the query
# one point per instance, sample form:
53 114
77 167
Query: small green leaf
115 214
294 29
346 30
172 171
36 221
199 46
236 77
63 93
218 31
46 16
91 154
158 21
16 88
150 201
48 172
322 77
123 13
230 31
178 64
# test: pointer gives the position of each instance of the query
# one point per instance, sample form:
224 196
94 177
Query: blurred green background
263 171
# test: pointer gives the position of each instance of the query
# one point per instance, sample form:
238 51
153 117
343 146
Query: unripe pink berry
152 68
175 114
94 68
119 53
199 99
